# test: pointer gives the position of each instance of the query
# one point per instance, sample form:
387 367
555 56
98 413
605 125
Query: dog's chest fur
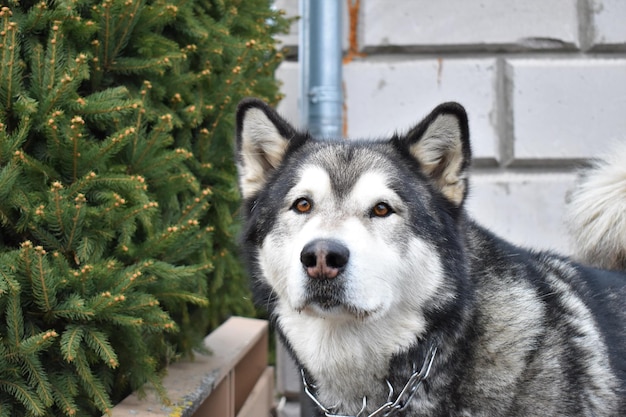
348 360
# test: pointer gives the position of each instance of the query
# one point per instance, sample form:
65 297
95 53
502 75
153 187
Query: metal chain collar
390 407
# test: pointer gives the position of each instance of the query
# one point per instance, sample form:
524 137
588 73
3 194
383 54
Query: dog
393 302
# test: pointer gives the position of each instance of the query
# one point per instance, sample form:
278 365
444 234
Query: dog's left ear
262 141
440 143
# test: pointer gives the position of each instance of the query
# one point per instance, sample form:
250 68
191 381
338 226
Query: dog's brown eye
381 210
302 205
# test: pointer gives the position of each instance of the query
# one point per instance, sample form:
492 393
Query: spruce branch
24 395
157 66
74 309
34 165
104 107
44 289
64 393
71 341
77 221
92 385
9 47
119 24
99 343
37 377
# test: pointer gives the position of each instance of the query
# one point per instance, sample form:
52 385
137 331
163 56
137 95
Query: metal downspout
320 45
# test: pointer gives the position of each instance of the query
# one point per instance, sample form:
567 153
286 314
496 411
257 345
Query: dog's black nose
324 258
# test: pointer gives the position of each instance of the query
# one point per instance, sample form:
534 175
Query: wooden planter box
234 381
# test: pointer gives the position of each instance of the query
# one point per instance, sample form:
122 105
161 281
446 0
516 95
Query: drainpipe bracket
325 94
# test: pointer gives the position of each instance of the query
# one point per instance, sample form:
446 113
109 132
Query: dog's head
351 230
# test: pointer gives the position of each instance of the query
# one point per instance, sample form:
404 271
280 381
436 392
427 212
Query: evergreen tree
117 189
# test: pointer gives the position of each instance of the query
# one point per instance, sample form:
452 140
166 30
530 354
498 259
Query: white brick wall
525 207
544 84
607 25
470 25
391 95
566 108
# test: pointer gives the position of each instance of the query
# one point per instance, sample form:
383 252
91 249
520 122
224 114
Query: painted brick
287 74
526 209
385 96
461 24
566 108
608 20
292 9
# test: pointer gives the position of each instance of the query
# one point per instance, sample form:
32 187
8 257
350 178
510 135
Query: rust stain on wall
353 52
353 47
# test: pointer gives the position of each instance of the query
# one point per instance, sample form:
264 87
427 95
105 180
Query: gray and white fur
365 258
596 212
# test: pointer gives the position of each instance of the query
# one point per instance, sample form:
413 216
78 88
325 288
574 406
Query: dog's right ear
262 140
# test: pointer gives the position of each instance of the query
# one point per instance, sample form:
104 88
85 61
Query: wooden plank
249 369
261 399
220 402
189 383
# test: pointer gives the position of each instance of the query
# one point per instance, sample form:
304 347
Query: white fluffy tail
597 213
